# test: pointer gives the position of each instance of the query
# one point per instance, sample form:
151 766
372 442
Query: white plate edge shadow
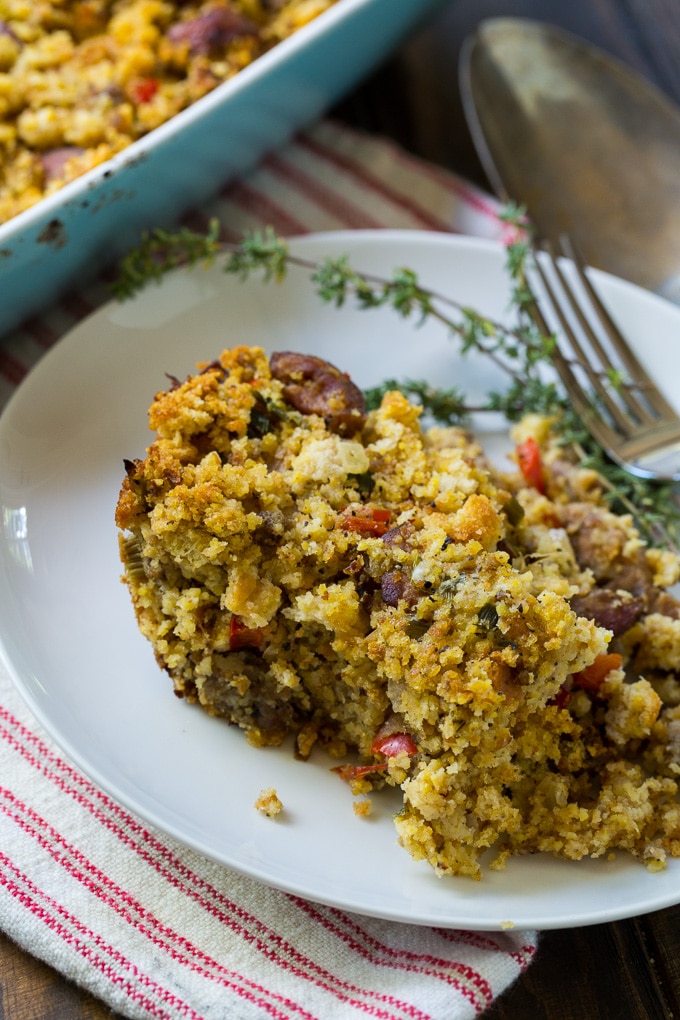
485 906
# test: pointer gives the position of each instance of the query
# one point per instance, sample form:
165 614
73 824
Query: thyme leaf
447 407
160 251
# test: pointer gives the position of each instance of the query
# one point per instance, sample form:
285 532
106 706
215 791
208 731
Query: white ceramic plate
71 641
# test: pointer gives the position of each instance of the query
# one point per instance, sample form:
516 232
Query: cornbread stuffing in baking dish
500 646
82 79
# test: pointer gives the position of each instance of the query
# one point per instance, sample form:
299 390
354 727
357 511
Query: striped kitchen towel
147 925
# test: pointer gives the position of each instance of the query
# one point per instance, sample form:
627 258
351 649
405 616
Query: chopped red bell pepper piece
390 744
350 772
531 466
241 636
590 678
366 521
393 744
562 698
143 91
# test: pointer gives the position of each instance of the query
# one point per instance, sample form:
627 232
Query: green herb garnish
363 482
417 629
487 617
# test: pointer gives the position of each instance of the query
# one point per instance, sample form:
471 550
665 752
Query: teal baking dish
66 238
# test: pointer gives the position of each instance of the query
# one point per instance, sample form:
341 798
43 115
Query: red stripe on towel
163 861
77 936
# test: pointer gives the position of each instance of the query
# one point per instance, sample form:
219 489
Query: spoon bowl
589 147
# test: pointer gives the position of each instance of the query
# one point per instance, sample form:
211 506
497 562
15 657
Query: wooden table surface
628 970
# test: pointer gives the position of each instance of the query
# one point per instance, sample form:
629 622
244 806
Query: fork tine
620 419
635 370
624 393
600 430
646 444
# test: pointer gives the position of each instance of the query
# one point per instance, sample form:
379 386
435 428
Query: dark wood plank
654 28
598 973
30 990
660 933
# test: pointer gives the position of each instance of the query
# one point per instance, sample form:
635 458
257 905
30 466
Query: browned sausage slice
314 386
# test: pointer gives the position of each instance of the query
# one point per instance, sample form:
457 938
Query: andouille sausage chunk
314 386
210 30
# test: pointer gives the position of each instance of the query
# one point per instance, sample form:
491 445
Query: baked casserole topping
82 79
499 645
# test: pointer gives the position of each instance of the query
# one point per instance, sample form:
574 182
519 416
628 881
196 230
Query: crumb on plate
269 803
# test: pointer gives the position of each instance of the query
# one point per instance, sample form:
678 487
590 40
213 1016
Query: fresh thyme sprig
448 407
336 282
163 250
520 350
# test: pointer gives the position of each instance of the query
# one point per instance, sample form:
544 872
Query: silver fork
618 402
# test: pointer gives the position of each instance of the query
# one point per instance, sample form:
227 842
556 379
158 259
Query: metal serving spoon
589 147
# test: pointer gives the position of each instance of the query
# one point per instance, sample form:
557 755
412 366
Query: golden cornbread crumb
362 808
506 658
269 803
81 81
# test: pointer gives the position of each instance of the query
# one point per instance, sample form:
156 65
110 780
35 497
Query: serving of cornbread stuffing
82 79
497 644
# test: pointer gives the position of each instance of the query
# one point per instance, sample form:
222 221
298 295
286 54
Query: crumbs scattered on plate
269 803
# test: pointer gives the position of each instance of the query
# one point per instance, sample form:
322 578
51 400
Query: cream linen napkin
145 924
